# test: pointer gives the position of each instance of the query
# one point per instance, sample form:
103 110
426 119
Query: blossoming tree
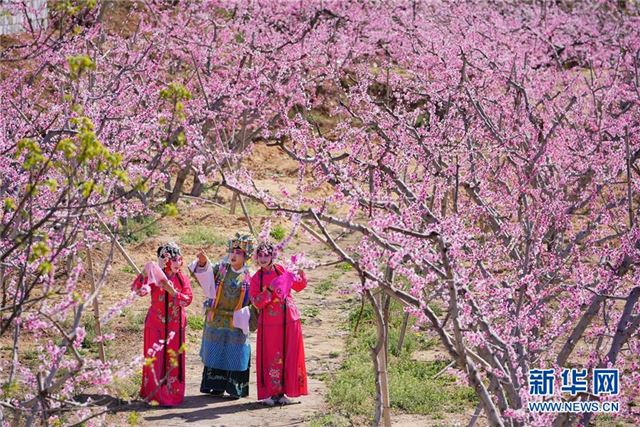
486 154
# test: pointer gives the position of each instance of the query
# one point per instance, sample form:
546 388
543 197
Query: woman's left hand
169 288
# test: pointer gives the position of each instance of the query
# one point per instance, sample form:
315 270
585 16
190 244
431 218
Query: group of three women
225 351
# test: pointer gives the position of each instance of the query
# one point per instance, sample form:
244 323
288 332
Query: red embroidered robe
280 364
166 319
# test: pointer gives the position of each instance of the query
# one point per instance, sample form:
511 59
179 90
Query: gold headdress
243 242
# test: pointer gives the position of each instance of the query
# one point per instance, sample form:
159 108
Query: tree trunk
96 306
379 357
177 188
403 330
198 186
232 208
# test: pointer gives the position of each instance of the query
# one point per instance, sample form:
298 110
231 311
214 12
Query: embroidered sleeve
245 300
299 283
140 285
205 277
185 296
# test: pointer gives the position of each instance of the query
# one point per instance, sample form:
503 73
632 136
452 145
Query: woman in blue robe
225 350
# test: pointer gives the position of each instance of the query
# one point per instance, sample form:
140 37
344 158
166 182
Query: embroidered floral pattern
163 380
275 372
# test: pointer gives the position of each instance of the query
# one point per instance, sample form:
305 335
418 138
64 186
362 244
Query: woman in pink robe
163 374
280 365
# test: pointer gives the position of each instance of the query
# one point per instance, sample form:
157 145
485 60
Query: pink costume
166 319
278 340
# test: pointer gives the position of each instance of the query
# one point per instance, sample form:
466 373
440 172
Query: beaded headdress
266 247
243 242
166 252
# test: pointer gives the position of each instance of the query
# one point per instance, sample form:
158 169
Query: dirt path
323 316
324 310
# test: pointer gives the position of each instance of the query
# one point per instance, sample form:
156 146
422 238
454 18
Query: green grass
309 312
412 386
11 389
135 321
344 266
328 420
200 235
127 388
253 208
195 323
128 269
278 232
133 419
88 343
325 285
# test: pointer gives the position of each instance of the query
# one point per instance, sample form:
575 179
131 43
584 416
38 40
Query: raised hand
167 286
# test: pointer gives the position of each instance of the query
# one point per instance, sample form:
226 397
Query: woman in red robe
163 373
280 361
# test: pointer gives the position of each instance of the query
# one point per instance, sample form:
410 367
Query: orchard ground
325 306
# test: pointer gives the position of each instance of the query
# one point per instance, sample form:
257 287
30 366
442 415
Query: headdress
266 247
242 242
166 252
